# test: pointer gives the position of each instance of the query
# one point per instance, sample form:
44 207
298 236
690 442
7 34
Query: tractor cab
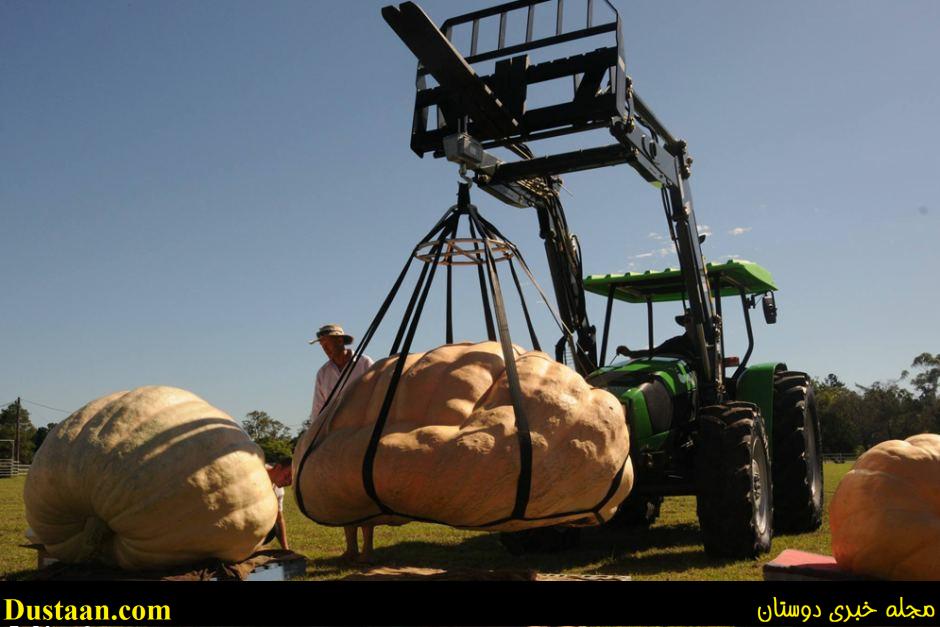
734 278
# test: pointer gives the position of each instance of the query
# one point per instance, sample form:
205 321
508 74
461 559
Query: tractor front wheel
797 459
734 492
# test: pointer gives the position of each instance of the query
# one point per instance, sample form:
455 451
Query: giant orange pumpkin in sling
449 451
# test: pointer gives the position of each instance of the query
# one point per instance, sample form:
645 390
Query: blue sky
189 190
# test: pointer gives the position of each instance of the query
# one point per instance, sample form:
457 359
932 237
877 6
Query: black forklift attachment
479 112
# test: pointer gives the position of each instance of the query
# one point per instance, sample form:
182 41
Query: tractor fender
756 385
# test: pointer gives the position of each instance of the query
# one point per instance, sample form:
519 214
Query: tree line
851 420
271 435
854 420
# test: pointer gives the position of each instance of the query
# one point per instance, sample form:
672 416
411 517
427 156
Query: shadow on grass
338 567
659 549
605 550
20 575
637 540
675 561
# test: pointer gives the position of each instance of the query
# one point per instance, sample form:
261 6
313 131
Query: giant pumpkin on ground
450 450
885 514
149 478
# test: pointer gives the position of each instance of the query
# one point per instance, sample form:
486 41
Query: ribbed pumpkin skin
149 478
885 514
450 449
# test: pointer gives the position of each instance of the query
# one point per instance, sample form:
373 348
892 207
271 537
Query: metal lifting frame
476 113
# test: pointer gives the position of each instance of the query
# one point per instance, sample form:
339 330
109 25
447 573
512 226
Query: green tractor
753 462
744 442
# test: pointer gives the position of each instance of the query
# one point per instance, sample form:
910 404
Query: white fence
10 468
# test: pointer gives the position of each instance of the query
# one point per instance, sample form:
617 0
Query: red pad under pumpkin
793 565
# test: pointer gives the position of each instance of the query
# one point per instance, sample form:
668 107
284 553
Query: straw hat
332 329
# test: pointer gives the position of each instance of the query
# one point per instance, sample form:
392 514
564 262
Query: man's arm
318 398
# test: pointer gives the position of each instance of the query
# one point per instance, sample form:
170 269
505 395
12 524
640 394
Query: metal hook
462 173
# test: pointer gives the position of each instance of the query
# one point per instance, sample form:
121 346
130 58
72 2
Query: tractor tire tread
796 509
723 471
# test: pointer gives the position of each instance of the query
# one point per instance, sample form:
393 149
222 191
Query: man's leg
366 544
352 543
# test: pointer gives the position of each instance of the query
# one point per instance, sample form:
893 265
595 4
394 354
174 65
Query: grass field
670 550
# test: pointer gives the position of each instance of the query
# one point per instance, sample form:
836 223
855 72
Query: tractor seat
678 346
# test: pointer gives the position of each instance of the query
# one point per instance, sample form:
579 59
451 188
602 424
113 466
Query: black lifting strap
614 485
524 484
449 313
566 333
344 377
488 316
446 224
449 324
525 309
347 371
368 463
409 311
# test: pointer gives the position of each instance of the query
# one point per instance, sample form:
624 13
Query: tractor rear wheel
734 491
638 510
797 459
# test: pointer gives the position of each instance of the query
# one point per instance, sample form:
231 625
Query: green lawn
668 550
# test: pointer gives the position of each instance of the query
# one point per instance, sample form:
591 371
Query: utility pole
16 436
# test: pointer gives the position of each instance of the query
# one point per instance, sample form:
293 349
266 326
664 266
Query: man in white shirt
334 341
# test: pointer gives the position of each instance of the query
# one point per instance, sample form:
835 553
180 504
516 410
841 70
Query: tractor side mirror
770 308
